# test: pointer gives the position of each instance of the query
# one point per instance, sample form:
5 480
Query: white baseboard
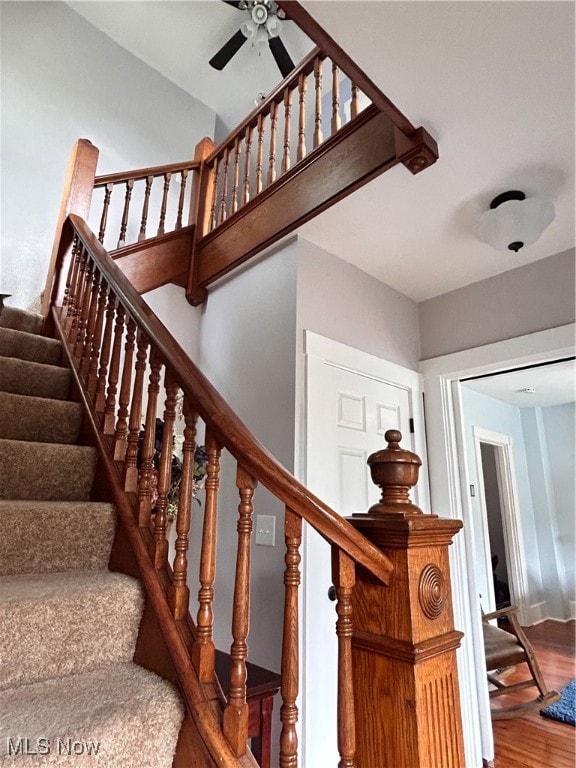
538 613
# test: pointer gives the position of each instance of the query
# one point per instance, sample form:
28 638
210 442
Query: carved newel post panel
407 704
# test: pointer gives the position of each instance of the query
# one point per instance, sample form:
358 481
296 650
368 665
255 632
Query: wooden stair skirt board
158 261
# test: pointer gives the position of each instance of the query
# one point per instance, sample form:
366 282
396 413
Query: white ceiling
553 384
493 82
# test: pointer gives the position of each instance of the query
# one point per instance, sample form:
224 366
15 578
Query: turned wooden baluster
272 154
78 294
160 543
344 578
246 183
224 198
100 394
214 201
179 594
287 117
148 444
145 205
125 213
260 154
302 87
203 650
318 137
69 302
335 124
104 219
236 175
121 431
354 106
70 279
113 375
130 467
183 180
92 371
167 179
90 325
84 309
235 723
289 689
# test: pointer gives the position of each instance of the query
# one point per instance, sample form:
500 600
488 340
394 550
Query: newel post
76 198
202 192
407 706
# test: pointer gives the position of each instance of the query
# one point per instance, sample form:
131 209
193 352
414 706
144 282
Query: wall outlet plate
265 530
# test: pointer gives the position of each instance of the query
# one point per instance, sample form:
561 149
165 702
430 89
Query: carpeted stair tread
39 419
56 624
133 715
49 536
20 320
29 346
37 379
46 471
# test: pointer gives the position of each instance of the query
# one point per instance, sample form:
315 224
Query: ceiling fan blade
229 49
281 56
235 3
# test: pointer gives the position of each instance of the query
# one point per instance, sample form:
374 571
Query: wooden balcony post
407 706
76 198
200 201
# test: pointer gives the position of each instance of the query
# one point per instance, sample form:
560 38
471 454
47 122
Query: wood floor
534 741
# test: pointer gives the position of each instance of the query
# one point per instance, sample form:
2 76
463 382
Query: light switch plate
265 530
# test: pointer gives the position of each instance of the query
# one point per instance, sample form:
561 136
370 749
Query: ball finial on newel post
395 471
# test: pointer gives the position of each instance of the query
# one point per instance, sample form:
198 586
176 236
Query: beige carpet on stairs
69 692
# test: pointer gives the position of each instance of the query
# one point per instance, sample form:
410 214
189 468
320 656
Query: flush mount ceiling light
514 221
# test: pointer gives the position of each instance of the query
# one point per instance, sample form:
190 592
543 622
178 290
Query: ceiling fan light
274 26
248 28
514 221
261 37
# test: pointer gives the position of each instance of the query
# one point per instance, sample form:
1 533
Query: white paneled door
352 399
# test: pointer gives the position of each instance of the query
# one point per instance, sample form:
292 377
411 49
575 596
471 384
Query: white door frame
341 356
511 522
447 467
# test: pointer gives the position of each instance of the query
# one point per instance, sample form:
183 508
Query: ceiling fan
262 24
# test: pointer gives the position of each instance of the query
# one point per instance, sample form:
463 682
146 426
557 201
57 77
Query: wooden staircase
190 223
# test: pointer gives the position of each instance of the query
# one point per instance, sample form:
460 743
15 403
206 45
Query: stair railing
133 206
312 104
125 359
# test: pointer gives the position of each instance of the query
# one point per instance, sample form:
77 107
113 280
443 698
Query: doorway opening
500 525
496 537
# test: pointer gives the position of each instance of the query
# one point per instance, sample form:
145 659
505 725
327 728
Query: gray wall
62 80
338 300
247 350
549 440
559 424
525 300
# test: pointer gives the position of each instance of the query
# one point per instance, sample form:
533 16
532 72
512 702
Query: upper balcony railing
308 107
133 206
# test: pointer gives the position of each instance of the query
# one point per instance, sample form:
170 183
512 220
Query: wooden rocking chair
504 650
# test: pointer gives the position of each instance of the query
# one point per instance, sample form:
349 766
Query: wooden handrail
227 427
143 173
